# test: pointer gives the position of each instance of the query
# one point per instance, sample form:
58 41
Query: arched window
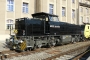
9 24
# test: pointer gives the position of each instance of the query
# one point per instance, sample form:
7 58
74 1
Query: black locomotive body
29 27
44 24
39 25
46 30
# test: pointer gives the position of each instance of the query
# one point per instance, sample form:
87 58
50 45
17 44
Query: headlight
14 47
21 41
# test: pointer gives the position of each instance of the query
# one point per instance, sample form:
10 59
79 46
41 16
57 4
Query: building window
63 11
10 24
25 7
81 9
73 1
73 13
80 0
81 19
51 8
87 20
10 5
87 11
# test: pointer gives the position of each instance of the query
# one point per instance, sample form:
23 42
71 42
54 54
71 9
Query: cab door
87 31
47 26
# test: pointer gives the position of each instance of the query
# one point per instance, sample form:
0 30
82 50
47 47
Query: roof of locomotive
43 13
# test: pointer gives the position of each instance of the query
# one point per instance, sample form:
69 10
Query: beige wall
43 6
64 4
17 13
69 11
2 16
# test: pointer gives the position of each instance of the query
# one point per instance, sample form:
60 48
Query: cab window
53 18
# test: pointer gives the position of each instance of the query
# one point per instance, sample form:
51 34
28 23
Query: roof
43 13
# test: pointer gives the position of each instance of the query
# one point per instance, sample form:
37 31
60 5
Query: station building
71 11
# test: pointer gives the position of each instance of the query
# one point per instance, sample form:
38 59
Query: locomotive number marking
54 26
57 26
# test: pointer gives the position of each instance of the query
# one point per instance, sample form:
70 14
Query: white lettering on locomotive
57 26
51 25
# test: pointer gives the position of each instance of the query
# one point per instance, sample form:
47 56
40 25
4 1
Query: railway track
11 54
47 53
68 55
80 56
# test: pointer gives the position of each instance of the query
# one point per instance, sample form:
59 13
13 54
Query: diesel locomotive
44 30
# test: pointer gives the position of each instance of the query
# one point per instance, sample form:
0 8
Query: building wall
40 6
43 6
83 12
17 13
64 4
2 18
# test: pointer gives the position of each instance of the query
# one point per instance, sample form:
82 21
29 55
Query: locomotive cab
50 22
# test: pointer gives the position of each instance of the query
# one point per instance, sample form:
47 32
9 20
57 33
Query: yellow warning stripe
23 45
15 31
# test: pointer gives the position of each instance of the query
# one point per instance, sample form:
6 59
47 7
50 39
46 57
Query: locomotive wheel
53 44
35 47
72 40
82 38
30 49
77 39
48 45
26 49
39 46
